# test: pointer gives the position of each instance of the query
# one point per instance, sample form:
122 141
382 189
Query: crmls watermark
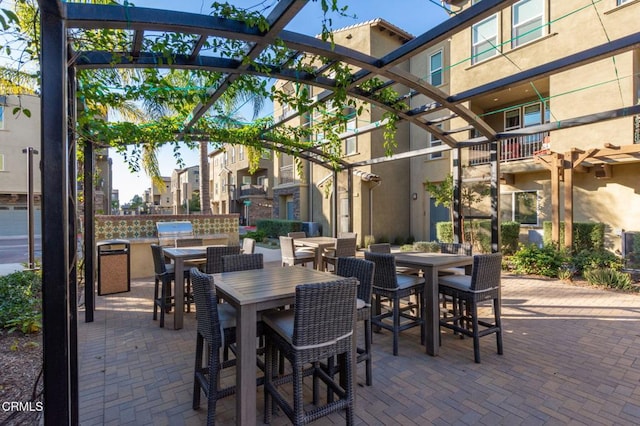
22 406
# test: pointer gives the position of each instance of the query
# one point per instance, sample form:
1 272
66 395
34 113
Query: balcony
636 129
246 190
511 149
287 175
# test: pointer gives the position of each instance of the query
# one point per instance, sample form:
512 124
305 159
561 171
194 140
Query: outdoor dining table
430 264
319 244
251 292
179 255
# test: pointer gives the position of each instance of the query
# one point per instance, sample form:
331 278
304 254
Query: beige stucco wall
19 132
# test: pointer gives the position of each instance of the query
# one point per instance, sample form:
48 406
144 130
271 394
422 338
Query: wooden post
556 162
568 198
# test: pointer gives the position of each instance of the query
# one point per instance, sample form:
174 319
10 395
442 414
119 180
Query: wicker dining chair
300 234
215 324
191 242
214 257
242 262
386 248
164 275
464 249
344 247
319 326
292 256
363 271
468 291
387 283
248 246
297 234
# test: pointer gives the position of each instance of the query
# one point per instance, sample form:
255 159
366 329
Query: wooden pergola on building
562 167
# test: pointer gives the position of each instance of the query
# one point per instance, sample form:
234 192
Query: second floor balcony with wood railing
511 149
288 175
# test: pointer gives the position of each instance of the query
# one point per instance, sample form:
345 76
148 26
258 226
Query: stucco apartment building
384 194
159 199
234 189
389 199
184 183
599 161
18 132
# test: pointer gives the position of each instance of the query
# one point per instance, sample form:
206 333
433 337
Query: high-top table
317 243
179 255
430 264
251 292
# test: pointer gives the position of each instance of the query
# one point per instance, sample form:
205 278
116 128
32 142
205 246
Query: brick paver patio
571 356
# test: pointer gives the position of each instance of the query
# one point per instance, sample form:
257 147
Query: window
484 39
241 152
528 21
512 119
233 154
621 2
1 162
435 68
350 143
225 159
433 141
246 180
532 115
521 207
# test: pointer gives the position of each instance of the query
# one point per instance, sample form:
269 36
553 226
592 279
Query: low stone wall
141 232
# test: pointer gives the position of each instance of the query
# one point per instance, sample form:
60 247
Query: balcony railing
636 129
246 190
287 175
512 149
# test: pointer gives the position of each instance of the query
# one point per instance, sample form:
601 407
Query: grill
169 232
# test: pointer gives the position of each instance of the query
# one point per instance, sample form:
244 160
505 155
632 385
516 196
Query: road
15 249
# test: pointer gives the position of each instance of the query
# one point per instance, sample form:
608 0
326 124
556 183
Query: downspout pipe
371 188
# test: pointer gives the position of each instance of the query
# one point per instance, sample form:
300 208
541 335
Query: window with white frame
528 22
435 68
350 143
434 141
233 154
484 43
241 152
621 2
520 206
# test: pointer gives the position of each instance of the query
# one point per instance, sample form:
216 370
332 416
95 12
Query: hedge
586 235
273 228
509 231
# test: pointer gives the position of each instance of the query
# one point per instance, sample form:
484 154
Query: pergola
59 104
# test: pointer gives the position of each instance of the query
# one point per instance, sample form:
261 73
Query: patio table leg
431 310
178 283
246 365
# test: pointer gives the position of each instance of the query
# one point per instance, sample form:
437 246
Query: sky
413 16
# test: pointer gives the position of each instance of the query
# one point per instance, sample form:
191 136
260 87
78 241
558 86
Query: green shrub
20 301
382 239
545 261
368 240
444 232
586 235
259 236
565 274
273 228
510 234
479 232
398 241
406 247
594 259
609 278
426 246
411 239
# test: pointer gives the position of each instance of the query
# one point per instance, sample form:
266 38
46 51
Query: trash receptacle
113 267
